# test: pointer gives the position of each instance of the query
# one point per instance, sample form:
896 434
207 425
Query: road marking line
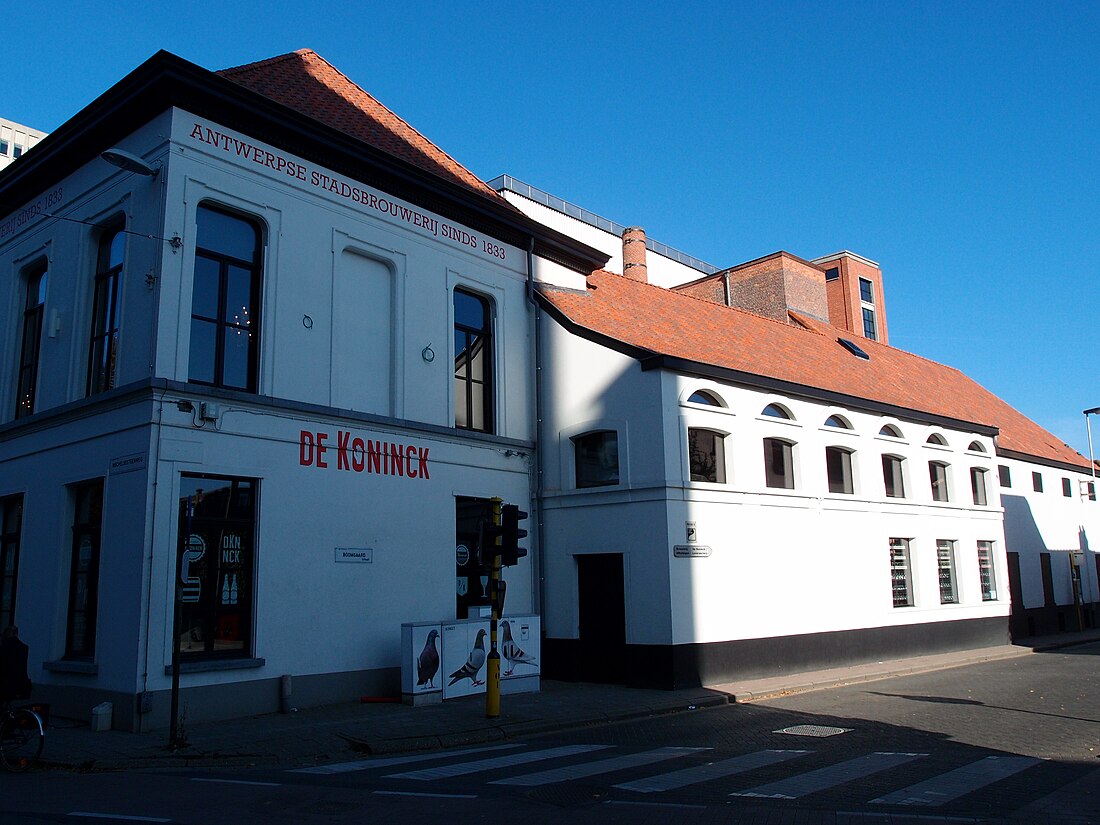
91 815
389 762
959 782
713 770
618 763
508 761
794 787
235 782
433 795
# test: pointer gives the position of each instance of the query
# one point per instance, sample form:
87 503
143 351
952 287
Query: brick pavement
333 733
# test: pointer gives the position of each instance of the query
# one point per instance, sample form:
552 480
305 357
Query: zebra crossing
669 769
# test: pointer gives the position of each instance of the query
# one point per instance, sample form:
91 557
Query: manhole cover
812 730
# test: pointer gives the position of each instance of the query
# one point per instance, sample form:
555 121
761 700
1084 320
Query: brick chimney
855 293
634 257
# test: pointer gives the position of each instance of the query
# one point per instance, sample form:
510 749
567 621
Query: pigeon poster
465 646
518 642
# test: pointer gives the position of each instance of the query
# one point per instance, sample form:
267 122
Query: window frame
718 455
212 613
582 442
979 486
900 550
894 483
1004 475
80 644
220 321
11 533
846 481
783 449
479 337
106 308
36 281
938 473
1036 481
1067 487
945 567
988 583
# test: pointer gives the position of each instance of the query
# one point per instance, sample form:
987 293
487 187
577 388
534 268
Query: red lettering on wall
342 439
305 448
321 449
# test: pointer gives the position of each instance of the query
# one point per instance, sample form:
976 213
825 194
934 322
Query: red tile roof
307 83
680 326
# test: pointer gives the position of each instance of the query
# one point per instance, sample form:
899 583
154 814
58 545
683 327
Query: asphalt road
1007 741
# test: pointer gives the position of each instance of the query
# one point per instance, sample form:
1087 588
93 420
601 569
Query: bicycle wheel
20 740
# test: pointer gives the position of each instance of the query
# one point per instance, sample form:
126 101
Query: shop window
225 301
1067 488
11 527
1037 482
901 574
707 455
103 348
937 475
473 362
838 464
597 458
1004 475
893 476
985 571
33 309
216 563
84 570
945 561
779 463
978 486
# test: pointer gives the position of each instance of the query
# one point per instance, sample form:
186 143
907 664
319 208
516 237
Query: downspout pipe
540 527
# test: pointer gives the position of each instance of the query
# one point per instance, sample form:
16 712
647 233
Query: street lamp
1088 426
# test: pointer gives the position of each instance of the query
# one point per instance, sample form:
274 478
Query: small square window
866 291
597 458
832 273
1037 482
1004 475
1067 488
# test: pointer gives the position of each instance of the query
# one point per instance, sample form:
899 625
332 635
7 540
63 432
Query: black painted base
679 666
1058 618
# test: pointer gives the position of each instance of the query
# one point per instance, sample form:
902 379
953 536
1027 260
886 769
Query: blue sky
957 144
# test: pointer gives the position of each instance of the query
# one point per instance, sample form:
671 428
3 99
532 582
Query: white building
15 139
288 326
729 494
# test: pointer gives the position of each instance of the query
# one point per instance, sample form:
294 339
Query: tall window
597 458
11 526
1067 488
217 557
901 579
937 474
103 351
1004 475
707 455
225 301
945 560
893 477
867 305
985 571
473 362
977 486
778 463
32 340
1037 482
838 464
84 570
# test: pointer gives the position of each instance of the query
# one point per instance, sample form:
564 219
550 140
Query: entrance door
602 604
471 581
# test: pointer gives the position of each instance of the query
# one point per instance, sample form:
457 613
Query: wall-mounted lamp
130 162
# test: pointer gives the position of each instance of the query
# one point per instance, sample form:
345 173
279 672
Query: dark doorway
602 606
1019 624
470 580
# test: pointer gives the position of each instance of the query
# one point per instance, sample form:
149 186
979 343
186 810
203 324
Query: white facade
15 139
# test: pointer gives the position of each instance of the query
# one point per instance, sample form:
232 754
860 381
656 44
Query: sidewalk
349 731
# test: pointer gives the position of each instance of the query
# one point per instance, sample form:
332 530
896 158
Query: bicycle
22 736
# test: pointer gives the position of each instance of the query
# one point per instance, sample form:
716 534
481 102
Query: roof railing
502 182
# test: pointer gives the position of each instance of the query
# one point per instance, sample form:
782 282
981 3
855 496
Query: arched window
705 397
976 447
890 430
838 421
777 411
225 301
937 439
473 362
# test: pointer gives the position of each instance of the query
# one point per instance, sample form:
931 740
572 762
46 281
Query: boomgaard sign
356 455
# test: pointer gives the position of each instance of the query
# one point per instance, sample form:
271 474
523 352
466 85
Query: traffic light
489 531
510 534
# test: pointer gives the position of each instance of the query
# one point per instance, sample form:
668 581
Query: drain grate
812 730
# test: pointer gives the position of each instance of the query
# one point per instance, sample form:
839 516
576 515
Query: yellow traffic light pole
492 663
